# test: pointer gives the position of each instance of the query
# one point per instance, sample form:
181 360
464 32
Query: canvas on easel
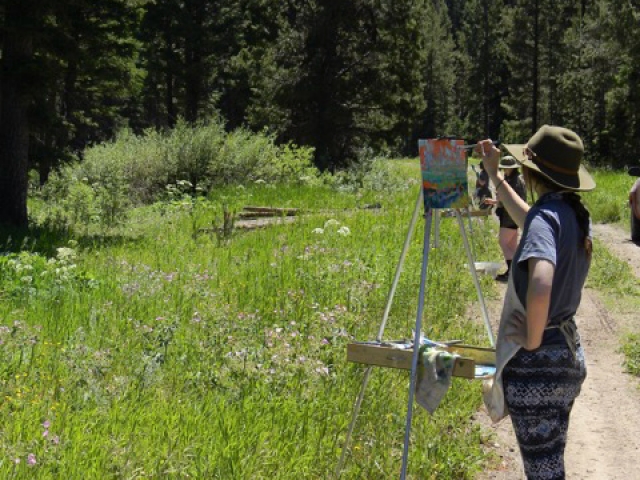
443 163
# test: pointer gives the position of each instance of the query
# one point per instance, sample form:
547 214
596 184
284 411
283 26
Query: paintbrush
473 145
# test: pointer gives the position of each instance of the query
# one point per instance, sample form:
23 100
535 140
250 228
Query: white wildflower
66 254
318 231
344 231
331 223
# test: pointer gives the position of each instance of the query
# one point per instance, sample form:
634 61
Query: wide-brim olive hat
508 162
557 155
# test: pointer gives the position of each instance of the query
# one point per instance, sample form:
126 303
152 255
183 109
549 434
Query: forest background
340 77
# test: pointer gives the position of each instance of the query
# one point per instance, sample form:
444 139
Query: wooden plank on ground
272 210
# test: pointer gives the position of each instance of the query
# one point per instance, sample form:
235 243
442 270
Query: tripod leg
469 220
416 343
436 230
403 255
474 275
385 316
354 416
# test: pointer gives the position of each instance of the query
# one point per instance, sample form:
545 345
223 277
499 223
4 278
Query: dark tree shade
20 20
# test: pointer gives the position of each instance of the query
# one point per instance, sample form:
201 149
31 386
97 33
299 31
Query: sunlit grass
631 349
157 350
169 354
608 203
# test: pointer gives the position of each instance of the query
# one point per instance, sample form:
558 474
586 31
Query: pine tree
342 76
67 73
482 42
439 68
620 139
90 83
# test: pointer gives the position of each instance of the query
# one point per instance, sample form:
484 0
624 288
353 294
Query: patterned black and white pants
540 388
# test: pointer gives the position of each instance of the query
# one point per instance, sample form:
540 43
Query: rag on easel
435 369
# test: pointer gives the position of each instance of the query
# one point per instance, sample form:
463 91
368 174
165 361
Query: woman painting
508 235
540 362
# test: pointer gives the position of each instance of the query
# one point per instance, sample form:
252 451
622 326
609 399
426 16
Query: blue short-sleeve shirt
551 232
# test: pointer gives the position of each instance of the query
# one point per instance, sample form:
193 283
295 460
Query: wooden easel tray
400 355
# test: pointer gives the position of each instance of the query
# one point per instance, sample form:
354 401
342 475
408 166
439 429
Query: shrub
190 152
71 200
370 172
135 170
34 275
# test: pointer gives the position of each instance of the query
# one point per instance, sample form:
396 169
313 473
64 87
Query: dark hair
583 216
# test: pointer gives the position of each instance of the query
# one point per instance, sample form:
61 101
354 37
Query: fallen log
273 211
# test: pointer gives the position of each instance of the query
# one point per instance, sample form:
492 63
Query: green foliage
483 60
343 76
90 81
72 199
374 174
31 276
192 153
611 274
134 170
334 77
609 202
631 349
207 350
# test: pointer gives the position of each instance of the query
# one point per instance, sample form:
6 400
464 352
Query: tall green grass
148 352
609 202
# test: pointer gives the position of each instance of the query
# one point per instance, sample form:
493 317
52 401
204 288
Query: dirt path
604 434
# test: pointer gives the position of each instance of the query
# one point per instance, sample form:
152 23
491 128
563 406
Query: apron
512 334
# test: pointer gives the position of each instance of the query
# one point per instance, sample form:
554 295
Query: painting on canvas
444 173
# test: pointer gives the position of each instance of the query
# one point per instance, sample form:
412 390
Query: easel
373 353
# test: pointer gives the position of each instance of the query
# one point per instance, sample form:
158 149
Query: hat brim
581 182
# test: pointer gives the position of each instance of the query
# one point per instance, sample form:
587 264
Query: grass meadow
161 350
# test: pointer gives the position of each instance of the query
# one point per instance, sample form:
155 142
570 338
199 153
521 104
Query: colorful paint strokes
444 173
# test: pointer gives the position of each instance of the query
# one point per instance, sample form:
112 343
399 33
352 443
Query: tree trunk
170 65
486 74
17 56
193 61
69 96
535 67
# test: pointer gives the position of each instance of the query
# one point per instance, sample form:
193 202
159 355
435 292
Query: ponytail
575 202
583 217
